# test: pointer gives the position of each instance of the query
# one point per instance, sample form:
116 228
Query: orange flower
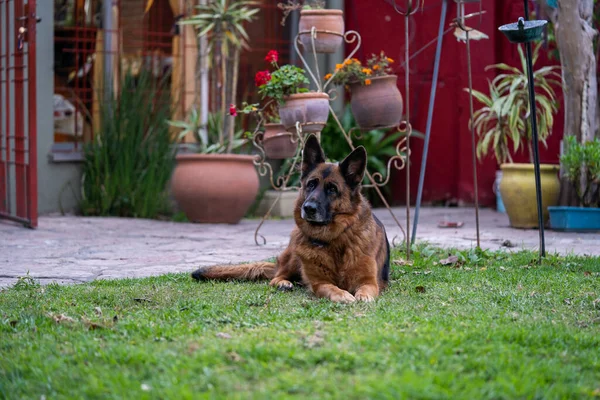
348 62
356 60
367 82
327 76
339 66
375 67
390 60
367 71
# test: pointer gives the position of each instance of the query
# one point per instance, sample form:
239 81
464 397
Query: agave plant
505 115
581 167
208 139
222 23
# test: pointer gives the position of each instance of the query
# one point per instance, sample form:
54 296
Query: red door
18 112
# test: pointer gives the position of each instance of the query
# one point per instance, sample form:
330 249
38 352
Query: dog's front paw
366 297
342 297
281 284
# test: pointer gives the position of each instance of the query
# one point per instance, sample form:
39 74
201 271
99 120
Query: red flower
272 57
262 77
232 110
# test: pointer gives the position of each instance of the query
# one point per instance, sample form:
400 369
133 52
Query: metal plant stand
459 21
525 31
399 160
376 180
434 82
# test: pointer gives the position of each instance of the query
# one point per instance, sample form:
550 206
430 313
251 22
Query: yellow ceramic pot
517 188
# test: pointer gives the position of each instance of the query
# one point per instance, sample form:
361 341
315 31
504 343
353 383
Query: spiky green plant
505 115
222 23
129 162
581 166
208 140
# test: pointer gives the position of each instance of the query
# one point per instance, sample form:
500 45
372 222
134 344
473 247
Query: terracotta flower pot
277 143
378 104
517 188
215 188
310 109
322 20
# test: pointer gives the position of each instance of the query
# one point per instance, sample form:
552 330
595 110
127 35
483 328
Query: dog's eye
311 185
332 190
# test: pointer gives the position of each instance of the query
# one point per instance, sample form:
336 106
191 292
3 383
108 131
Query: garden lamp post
525 31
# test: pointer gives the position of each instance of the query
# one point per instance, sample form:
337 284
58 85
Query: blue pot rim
571 208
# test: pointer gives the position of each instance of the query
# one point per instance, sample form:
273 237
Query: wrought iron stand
377 180
526 31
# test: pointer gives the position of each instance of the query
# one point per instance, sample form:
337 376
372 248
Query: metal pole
536 155
408 131
473 145
434 81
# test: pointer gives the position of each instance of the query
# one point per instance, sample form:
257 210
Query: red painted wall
449 169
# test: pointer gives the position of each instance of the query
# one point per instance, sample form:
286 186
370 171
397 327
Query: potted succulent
581 166
328 23
286 86
376 101
216 185
502 124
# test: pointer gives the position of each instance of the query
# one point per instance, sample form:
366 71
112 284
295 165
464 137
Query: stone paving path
76 249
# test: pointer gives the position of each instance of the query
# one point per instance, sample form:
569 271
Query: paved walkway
76 249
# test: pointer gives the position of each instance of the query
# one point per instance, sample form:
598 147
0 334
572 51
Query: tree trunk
575 37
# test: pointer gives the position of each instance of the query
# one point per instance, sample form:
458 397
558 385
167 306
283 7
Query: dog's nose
310 208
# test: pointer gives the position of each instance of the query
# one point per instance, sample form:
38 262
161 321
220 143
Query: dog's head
329 189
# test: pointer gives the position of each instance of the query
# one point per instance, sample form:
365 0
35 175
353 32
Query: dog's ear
312 155
353 167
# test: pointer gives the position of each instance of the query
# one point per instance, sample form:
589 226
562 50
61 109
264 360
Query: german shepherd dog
338 248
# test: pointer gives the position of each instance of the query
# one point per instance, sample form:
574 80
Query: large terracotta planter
215 188
517 189
378 104
277 143
310 109
325 21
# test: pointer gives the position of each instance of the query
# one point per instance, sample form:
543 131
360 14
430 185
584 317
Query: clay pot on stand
277 143
310 109
215 188
325 21
378 104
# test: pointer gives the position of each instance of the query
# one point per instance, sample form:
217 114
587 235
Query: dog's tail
251 272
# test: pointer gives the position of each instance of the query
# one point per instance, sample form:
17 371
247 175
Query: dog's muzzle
311 212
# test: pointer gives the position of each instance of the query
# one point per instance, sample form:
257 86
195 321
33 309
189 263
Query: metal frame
459 21
18 134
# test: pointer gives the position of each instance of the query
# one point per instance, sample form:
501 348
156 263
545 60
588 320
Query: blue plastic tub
574 219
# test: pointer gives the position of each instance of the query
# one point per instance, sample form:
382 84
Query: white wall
58 183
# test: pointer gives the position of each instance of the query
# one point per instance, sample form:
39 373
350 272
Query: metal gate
18 112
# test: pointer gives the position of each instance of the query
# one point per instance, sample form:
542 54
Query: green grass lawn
493 326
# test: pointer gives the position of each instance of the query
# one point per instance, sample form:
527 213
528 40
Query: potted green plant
502 124
376 100
286 85
216 185
328 23
581 167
